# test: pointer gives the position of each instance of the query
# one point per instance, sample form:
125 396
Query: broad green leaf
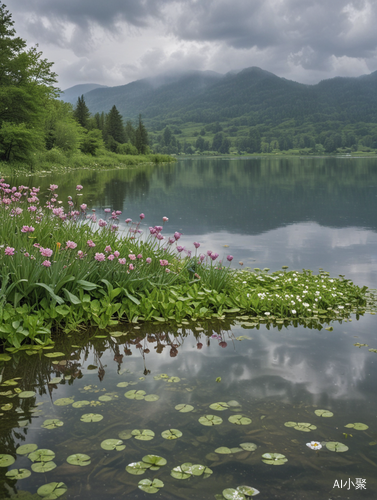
152 397
113 444
122 384
219 406
171 434
336 446
18 473
223 450
174 379
91 417
239 420
80 404
143 434
210 420
358 426
274 459
135 394
324 413
25 449
154 461
54 354
137 468
5 357
248 491
184 408
51 491
150 486
27 394
52 423
6 460
79 459
248 446
125 434
63 402
178 473
41 455
43 466
232 494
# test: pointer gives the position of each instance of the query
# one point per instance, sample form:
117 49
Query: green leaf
134 394
51 491
59 300
178 473
113 444
154 460
223 450
171 434
239 420
41 455
274 459
5 357
79 459
358 426
249 446
219 406
232 494
25 449
324 413
52 423
183 408
6 460
91 417
336 446
137 468
71 297
63 401
43 467
54 354
210 420
80 404
26 394
143 434
18 473
248 491
150 486
131 297
152 397
86 285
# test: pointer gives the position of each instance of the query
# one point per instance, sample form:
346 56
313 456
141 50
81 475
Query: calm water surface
304 213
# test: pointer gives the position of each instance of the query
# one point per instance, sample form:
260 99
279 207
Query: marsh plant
62 266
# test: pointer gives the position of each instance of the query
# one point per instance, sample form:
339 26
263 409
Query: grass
63 268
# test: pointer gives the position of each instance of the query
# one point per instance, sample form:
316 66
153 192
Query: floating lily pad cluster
151 462
358 426
239 420
301 426
223 450
52 423
324 413
139 395
187 470
274 459
240 493
150 486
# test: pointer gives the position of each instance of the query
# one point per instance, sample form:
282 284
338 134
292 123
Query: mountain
249 97
73 93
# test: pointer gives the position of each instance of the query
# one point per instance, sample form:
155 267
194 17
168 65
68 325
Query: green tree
81 112
141 138
114 126
26 86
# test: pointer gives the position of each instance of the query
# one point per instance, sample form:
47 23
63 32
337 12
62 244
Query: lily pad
223 450
150 486
324 413
51 491
122 384
56 380
162 376
26 394
239 420
18 473
6 460
171 434
184 408
7 407
91 417
105 398
152 397
210 420
154 461
80 404
233 403
5 357
43 466
249 446
195 469
174 379
274 459
63 402
301 426
113 444
232 494
178 473
336 446
52 423
135 394
41 455
358 426
248 491
137 468
25 449
219 406
54 354
143 434
127 434
79 459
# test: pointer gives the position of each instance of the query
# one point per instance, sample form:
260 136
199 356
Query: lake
305 213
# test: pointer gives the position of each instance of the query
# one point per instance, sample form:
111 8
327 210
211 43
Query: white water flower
267 313
305 304
314 445
293 311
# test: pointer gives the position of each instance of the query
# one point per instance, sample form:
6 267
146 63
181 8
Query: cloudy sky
113 42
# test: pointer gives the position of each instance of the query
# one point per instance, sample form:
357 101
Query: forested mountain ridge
255 94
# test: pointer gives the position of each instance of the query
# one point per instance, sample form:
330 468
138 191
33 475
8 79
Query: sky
114 42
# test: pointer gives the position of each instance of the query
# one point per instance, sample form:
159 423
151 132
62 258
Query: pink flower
102 223
165 219
18 211
107 210
230 258
196 244
27 229
209 253
80 254
52 187
53 200
158 228
159 236
108 248
46 252
131 267
26 254
90 243
100 257
132 256
164 262
148 260
177 235
46 263
118 212
32 209
171 241
128 220
214 256
58 211
9 251
83 206
79 187
152 230
111 257
139 256
122 261
201 257
114 227
167 270
180 248
116 254
71 244
142 216
36 245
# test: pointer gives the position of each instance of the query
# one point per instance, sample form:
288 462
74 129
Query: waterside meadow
63 268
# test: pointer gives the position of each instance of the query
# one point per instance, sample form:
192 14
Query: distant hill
73 93
250 97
